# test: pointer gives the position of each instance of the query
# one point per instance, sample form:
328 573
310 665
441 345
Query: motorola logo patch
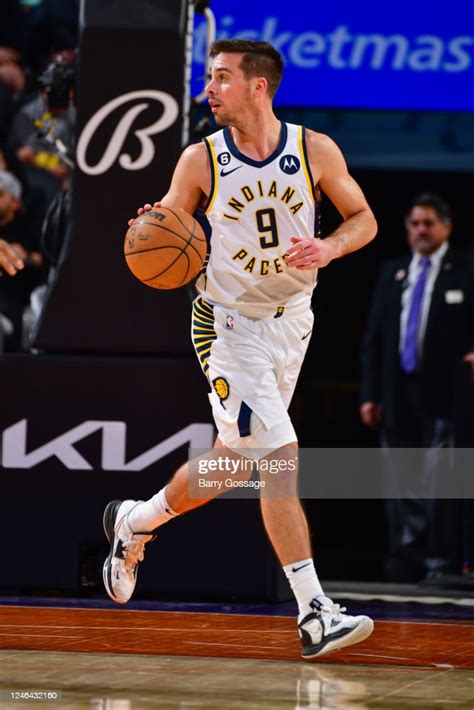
290 164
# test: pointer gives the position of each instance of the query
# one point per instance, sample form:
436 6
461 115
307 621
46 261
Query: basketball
165 248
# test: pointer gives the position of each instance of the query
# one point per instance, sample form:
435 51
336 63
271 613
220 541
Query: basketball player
259 182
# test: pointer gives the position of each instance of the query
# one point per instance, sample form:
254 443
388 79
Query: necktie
409 355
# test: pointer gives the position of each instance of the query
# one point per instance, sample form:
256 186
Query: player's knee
280 472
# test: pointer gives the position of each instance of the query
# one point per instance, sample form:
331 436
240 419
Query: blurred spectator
21 242
10 262
12 84
420 329
41 133
53 26
11 72
12 27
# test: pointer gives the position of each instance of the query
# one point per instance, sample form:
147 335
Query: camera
57 81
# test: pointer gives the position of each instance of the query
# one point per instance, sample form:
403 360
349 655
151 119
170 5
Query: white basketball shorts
252 367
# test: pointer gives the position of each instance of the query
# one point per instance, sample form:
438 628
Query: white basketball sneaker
126 550
327 629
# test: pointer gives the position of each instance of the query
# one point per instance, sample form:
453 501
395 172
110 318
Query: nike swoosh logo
306 335
297 569
228 172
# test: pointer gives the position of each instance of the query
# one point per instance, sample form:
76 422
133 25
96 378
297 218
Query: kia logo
114 444
119 136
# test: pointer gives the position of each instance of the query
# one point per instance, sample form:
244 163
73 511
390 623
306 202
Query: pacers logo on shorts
222 388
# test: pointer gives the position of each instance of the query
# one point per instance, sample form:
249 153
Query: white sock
149 515
304 583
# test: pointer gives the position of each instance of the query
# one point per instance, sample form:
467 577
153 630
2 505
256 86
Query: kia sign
114 439
79 432
404 55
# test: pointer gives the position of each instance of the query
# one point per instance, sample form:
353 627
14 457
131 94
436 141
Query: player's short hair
430 199
259 59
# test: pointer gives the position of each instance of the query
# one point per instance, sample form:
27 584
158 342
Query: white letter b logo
112 152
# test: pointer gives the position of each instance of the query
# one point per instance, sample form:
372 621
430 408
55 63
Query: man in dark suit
419 331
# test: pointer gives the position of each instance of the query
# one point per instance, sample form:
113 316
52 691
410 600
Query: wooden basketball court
117 658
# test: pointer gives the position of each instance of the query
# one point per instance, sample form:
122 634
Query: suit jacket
449 335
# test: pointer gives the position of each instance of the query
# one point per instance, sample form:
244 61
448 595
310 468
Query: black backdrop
95 305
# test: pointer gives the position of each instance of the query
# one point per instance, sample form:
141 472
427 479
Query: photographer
42 131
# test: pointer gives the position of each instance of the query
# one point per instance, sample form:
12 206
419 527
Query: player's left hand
146 208
311 253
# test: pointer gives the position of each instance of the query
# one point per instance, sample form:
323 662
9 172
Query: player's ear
260 86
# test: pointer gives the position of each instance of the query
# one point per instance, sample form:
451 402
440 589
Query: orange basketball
165 248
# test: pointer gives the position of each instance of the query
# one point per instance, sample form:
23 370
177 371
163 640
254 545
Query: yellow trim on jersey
214 176
304 163
202 331
206 262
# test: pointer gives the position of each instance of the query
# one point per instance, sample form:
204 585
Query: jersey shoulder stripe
214 173
305 161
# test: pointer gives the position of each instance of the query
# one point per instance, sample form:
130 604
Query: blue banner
412 54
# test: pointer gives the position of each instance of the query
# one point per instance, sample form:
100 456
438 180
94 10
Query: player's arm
189 181
330 172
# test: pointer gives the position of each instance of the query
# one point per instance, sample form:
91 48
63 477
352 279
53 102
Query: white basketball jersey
254 209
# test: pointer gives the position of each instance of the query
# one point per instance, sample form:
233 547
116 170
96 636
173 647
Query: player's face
426 231
228 90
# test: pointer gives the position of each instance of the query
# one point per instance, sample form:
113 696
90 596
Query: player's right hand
143 209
